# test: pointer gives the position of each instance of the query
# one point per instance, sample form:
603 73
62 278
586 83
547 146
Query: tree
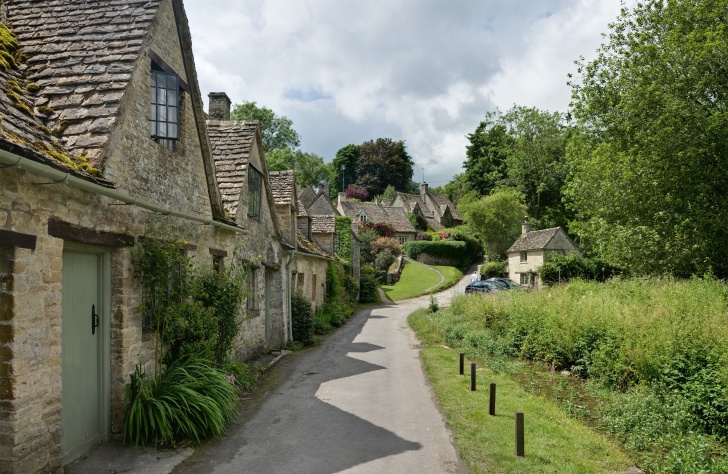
308 168
485 166
277 131
343 169
381 163
650 157
497 219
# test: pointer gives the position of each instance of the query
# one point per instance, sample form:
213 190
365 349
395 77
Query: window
524 256
164 107
524 279
300 283
402 240
218 264
255 180
363 218
250 304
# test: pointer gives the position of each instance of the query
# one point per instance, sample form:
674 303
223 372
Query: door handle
94 319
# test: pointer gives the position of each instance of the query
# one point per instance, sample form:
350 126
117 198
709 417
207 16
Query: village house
394 216
247 197
103 141
532 248
434 209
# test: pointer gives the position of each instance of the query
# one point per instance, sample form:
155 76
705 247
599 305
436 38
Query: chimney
526 226
323 187
423 189
219 106
378 201
342 198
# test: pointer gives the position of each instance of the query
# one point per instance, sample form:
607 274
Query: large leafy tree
650 158
342 171
497 219
523 148
383 162
308 168
277 130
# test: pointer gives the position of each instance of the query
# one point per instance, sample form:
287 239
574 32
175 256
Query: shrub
493 269
562 268
357 192
368 285
388 244
384 260
189 400
303 320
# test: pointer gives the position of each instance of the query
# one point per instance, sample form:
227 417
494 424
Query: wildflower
231 378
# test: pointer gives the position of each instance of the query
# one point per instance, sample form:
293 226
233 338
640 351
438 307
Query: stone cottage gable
308 196
394 216
322 206
307 246
231 144
537 240
81 55
437 210
283 188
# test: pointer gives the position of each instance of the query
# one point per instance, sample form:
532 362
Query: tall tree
308 168
650 158
497 219
485 166
383 162
342 171
277 131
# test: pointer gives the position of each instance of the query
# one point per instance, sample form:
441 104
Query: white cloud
423 71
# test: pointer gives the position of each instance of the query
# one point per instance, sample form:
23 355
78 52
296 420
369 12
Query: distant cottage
436 210
532 248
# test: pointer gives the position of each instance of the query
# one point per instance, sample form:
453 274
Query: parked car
505 284
481 286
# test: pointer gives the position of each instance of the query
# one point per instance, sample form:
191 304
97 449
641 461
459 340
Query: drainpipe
10 160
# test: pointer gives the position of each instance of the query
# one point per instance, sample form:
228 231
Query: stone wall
428 259
312 271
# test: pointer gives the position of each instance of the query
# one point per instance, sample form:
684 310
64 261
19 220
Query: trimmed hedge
441 248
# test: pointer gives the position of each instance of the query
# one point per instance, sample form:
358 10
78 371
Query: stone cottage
529 252
103 137
435 209
247 197
362 212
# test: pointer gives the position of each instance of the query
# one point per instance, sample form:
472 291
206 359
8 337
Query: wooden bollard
519 435
491 404
472 376
462 363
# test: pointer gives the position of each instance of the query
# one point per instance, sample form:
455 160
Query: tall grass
663 337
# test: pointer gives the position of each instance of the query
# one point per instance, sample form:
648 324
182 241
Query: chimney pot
423 189
219 106
526 226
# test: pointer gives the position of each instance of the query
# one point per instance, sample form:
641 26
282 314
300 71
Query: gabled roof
74 62
307 246
535 240
231 143
444 203
394 216
283 187
308 196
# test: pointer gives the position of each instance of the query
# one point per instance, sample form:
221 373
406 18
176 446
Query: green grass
416 280
452 276
554 443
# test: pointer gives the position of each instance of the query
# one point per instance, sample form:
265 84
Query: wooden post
491 405
519 435
462 363
472 376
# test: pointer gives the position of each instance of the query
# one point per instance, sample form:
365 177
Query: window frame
255 196
524 257
164 105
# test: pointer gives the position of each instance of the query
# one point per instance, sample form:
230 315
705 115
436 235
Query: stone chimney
378 201
323 187
219 106
342 198
423 189
526 226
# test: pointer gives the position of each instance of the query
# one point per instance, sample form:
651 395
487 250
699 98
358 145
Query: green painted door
84 350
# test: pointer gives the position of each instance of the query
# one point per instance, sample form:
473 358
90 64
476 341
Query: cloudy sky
422 71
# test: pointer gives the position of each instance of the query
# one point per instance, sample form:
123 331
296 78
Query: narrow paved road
357 403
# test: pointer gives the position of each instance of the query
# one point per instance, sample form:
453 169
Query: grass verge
416 280
554 442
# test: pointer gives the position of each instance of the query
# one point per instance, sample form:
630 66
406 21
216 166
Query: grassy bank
655 353
418 279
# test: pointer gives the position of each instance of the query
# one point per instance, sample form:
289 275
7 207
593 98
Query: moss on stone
18 103
45 110
80 163
32 87
8 45
16 87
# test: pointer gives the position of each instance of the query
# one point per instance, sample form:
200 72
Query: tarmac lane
358 403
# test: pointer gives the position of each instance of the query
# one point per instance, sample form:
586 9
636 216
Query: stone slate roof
432 208
231 143
394 216
308 196
282 184
302 211
323 224
81 54
307 246
535 240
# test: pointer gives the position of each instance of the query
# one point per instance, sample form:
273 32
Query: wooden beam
74 233
8 238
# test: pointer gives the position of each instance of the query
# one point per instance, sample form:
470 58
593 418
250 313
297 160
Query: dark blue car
481 286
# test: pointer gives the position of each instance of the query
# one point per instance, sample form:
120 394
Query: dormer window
363 218
164 107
